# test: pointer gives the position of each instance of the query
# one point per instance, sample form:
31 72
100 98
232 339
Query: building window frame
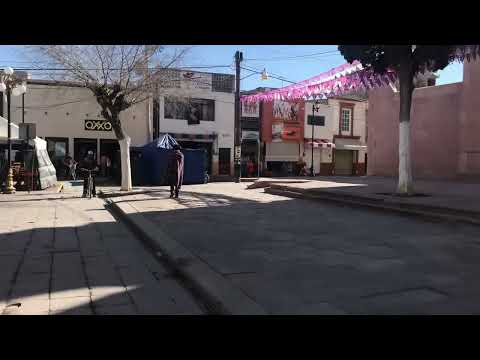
346 108
193 110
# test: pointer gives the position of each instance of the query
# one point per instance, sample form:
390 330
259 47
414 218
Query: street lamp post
14 84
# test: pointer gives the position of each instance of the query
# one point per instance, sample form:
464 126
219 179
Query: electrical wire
274 77
295 57
115 69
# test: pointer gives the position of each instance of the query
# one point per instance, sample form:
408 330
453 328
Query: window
193 110
251 124
318 120
223 83
346 119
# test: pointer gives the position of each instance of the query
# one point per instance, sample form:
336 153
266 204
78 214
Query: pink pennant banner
337 81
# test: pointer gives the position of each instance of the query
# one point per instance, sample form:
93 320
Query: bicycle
89 183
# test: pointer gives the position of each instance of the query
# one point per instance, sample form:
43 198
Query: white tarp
4 129
46 170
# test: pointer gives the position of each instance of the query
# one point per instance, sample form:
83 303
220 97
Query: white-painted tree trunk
125 163
405 180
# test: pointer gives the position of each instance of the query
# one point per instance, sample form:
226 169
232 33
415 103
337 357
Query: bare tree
119 76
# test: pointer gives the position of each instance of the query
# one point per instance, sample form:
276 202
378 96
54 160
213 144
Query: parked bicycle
89 180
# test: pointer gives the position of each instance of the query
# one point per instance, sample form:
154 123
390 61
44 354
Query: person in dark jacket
88 163
175 171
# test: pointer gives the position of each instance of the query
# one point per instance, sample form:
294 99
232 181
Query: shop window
57 149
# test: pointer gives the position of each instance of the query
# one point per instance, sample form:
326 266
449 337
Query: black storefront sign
316 120
98 125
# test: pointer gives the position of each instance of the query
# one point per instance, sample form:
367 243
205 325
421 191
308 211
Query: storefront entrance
224 161
82 146
344 162
111 149
250 150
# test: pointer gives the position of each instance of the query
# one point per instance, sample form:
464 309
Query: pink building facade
445 130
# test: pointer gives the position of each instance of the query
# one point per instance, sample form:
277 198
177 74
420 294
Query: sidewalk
61 254
441 196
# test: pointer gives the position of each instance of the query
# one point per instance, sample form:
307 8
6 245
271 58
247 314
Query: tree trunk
125 164
405 181
124 142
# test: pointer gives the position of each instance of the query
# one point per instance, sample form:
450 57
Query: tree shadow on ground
82 270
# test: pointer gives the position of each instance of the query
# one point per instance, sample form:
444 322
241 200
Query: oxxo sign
98 125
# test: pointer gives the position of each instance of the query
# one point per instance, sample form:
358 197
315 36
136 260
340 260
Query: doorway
249 152
82 146
111 149
224 161
343 162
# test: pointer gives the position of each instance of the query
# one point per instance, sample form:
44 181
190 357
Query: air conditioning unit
27 131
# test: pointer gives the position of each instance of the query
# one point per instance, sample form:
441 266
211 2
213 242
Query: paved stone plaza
297 256
60 254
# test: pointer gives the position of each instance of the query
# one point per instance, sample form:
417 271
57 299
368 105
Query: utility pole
23 108
238 140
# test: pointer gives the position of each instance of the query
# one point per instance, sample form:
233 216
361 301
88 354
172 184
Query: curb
221 296
103 195
424 211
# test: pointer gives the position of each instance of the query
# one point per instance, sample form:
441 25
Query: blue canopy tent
150 163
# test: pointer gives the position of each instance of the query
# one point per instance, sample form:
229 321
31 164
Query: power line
295 57
254 68
117 69
274 77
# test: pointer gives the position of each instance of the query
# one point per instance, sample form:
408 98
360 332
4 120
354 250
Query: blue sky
292 62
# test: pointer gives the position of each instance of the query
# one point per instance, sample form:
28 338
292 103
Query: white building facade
198 110
339 136
68 117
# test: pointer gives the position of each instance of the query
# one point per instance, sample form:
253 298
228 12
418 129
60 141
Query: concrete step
380 203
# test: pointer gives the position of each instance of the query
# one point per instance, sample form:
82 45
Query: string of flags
344 79
337 81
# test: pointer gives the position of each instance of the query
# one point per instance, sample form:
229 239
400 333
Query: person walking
71 167
175 171
88 163
105 164
302 166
